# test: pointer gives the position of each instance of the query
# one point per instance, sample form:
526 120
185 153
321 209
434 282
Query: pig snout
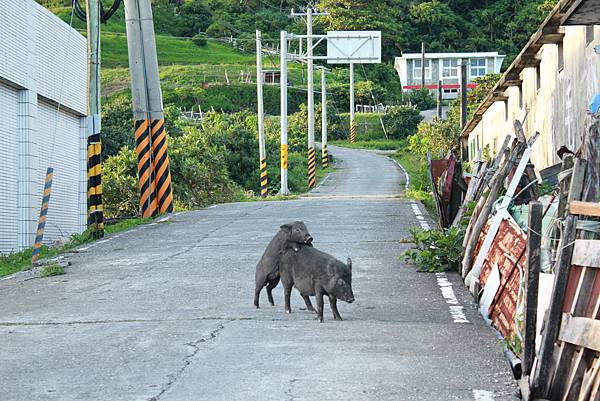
350 300
308 239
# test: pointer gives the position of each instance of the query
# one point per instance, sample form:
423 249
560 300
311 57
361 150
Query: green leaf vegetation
52 270
436 250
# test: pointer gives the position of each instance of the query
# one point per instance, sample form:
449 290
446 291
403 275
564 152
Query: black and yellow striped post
352 131
311 168
264 184
95 208
145 168
39 236
324 156
162 171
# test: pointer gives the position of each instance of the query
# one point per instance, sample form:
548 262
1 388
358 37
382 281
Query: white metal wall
38 49
59 147
43 63
9 107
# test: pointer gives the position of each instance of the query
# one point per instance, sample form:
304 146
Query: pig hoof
288 311
339 319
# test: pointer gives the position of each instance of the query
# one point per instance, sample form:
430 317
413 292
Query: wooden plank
587 253
544 372
570 357
531 295
589 379
590 209
580 331
551 38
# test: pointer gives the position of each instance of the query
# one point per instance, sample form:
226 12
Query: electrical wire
104 14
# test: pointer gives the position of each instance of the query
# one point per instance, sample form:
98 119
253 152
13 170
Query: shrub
402 121
436 251
199 40
438 137
233 136
421 98
198 172
120 184
117 126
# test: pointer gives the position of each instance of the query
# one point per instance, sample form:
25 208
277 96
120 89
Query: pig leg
287 292
309 306
334 309
319 296
270 285
260 283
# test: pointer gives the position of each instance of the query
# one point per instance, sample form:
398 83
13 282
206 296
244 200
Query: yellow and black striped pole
145 168
311 168
352 120
324 156
264 185
39 236
95 208
160 163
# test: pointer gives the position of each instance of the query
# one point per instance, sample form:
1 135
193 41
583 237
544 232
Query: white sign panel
361 47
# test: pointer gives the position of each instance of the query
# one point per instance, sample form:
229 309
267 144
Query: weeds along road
164 312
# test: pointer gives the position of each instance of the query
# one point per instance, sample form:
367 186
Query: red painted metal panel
508 246
446 86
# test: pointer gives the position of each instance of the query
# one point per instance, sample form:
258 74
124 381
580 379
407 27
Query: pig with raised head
290 236
316 273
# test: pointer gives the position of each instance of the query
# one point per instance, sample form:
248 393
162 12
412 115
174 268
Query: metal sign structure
353 47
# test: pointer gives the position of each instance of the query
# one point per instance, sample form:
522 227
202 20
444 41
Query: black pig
316 273
267 270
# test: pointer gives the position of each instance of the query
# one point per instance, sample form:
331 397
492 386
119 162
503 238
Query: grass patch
381 144
420 187
368 126
20 261
124 225
52 270
172 50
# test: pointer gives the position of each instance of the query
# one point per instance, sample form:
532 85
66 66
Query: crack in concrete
209 233
288 390
187 360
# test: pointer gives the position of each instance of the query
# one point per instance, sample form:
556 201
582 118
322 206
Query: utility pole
264 187
94 144
463 108
310 89
154 174
422 65
324 155
352 120
284 117
311 102
439 100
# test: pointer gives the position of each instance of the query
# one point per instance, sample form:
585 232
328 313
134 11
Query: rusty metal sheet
509 244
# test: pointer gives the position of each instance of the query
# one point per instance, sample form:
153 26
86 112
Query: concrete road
429 115
164 312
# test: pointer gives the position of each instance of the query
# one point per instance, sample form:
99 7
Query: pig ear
349 263
286 227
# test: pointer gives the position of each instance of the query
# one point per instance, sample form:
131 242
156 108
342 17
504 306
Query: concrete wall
405 68
557 109
43 73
